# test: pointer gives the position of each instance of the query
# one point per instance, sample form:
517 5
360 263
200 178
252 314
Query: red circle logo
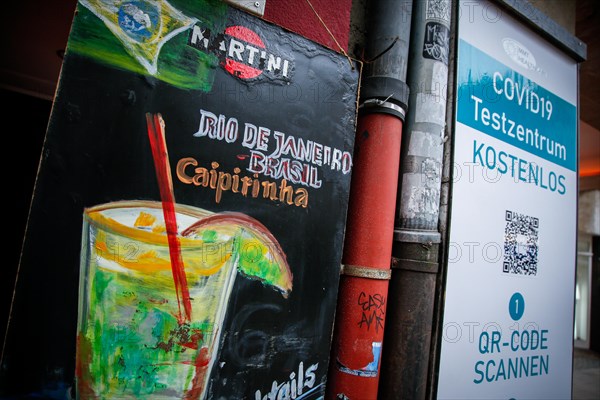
237 67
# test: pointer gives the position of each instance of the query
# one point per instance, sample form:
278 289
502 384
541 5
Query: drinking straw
156 133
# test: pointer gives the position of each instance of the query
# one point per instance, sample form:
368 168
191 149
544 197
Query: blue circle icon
516 306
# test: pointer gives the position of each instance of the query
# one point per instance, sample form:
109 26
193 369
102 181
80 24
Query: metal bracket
366 272
415 265
403 235
395 109
255 7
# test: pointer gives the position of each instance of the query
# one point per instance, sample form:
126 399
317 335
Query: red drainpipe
360 318
361 310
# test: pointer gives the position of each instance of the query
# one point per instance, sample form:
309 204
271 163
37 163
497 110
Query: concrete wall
589 212
561 11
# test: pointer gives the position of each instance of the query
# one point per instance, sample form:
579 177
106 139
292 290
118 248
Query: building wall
589 212
299 17
561 11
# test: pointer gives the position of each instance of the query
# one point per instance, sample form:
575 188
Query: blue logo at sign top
520 54
139 20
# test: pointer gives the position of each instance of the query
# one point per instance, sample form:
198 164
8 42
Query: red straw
156 133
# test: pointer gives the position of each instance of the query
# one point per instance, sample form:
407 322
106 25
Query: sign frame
452 330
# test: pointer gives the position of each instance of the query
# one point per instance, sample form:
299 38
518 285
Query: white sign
508 316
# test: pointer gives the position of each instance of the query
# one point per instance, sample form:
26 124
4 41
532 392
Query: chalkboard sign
187 223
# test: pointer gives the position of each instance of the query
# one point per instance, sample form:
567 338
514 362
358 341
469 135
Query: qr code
520 244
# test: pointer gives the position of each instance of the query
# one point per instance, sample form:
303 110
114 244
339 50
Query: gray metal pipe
412 292
383 87
409 323
445 199
422 145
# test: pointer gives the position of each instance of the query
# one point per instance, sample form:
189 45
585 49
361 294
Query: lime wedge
260 255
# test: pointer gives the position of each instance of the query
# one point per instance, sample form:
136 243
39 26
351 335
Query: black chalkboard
259 126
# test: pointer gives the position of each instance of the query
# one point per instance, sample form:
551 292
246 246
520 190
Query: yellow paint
101 245
206 251
148 252
159 229
110 225
144 220
149 262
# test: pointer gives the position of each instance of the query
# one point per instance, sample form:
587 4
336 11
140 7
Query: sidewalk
586 375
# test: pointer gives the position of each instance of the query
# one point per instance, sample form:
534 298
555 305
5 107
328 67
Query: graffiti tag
373 310
436 42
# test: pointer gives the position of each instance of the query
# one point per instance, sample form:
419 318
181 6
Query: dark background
26 144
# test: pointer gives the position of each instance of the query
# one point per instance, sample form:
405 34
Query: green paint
256 261
178 64
131 342
209 236
139 346
101 282
89 36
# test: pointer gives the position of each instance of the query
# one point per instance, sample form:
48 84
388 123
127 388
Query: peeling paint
368 371
431 108
425 144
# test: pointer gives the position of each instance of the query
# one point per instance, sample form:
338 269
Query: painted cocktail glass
132 341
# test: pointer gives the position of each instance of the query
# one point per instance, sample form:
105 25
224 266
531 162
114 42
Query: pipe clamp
371 103
366 272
